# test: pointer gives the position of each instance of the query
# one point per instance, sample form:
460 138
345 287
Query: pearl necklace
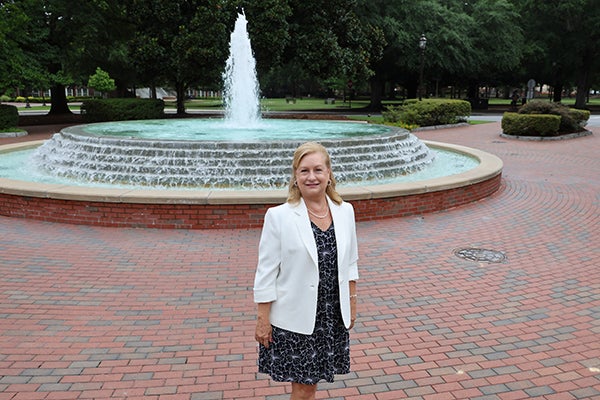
318 216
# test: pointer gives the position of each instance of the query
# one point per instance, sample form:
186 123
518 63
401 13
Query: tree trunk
581 98
557 94
583 84
180 88
473 90
58 101
377 87
412 89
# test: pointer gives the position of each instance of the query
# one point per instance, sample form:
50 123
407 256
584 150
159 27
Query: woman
305 283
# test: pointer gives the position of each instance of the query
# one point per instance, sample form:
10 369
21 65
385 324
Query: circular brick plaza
91 312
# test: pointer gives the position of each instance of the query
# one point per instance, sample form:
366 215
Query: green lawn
301 104
304 104
565 100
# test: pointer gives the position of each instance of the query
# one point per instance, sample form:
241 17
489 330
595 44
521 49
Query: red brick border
223 216
401 206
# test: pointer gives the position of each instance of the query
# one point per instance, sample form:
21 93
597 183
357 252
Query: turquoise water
221 130
15 165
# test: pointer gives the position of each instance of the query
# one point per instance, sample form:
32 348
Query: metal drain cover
473 254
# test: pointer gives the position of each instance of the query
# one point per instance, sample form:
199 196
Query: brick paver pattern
105 313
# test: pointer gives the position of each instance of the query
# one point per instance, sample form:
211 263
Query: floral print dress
307 359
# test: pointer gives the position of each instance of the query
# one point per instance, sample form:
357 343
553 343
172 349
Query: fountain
225 173
241 151
241 89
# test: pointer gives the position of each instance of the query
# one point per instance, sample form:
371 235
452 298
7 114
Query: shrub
569 121
20 99
530 124
410 101
9 116
97 110
580 117
36 99
392 114
429 112
4 98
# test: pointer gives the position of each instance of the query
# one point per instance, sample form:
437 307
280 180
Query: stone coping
17 133
574 135
489 167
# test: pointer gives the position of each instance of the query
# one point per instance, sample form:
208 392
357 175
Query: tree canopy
101 81
564 43
53 43
301 46
179 42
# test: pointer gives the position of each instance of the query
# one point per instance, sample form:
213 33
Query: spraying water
241 89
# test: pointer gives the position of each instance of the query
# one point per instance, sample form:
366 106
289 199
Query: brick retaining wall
223 216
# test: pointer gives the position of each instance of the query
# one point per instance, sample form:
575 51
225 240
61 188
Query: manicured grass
11 130
301 104
305 104
378 119
280 104
566 101
198 104
37 108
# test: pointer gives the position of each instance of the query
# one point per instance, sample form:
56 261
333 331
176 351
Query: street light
422 45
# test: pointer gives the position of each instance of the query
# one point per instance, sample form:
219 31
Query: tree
327 41
10 54
403 22
53 41
497 44
300 44
185 44
268 28
19 62
467 42
101 81
567 42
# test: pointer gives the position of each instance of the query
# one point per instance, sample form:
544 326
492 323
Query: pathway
102 313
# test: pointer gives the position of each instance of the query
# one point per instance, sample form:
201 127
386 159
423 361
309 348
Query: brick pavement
104 313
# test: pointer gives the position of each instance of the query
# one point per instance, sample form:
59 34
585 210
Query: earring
295 183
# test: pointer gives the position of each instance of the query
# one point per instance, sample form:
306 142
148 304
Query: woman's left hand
264 332
352 311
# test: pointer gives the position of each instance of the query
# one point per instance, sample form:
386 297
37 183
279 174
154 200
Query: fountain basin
209 155
238 209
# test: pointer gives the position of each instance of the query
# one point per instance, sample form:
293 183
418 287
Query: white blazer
288 274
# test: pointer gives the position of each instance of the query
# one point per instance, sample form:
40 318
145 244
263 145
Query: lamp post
422 45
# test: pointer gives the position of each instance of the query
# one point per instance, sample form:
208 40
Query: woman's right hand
264 331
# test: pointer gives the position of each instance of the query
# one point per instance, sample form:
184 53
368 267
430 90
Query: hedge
9 116
530 124
429 112
97 110
571 120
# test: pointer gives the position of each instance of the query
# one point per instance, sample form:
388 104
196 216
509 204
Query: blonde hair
305 149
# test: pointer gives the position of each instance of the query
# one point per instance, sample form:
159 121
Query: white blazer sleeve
269 261
353 268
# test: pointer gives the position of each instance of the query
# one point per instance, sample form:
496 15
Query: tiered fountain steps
216 164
